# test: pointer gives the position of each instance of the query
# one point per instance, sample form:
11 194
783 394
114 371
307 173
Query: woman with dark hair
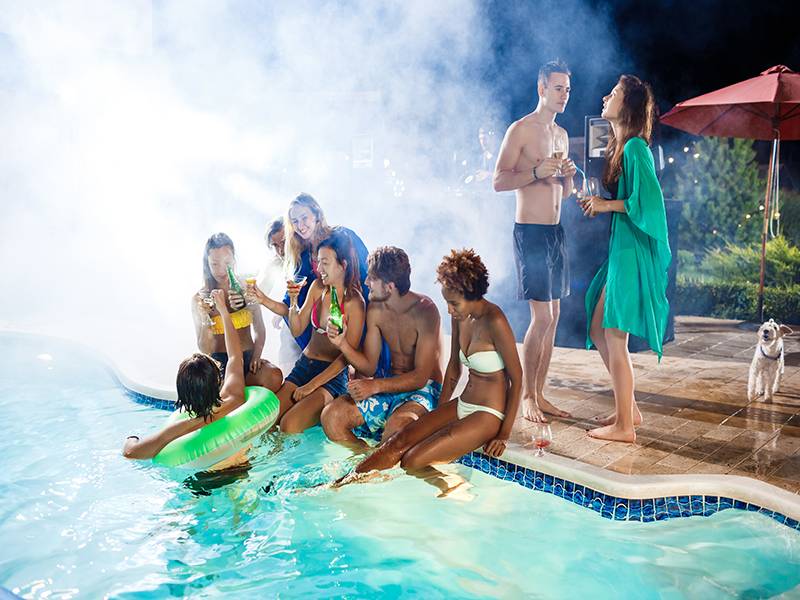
219 254
320 374
628 294
482 341
305 227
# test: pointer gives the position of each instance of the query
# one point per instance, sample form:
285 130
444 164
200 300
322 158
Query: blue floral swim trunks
377 409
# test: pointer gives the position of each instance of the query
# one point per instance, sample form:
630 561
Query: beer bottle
234 283
336 310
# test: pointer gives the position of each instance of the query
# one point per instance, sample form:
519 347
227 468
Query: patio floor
696 415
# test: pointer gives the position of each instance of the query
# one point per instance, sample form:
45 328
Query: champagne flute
559 151
593 186
542 437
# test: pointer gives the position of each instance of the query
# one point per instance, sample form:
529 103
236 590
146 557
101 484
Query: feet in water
612 418
613 433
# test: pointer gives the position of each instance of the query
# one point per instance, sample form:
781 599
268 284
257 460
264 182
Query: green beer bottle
234 283
336 310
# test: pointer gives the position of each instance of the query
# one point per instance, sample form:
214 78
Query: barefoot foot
612 418
547 408
531 412
614 434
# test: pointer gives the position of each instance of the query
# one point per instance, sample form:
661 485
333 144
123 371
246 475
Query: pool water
78 520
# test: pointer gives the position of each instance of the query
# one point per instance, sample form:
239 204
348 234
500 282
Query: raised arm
276 306
204 334
299 318
453 372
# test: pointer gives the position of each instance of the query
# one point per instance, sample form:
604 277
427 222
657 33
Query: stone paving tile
697 417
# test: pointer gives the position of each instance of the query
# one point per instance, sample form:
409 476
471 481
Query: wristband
133 436
534 174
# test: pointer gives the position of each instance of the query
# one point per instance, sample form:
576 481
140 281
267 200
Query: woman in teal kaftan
628 293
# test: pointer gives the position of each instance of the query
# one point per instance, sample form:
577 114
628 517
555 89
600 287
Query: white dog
767 366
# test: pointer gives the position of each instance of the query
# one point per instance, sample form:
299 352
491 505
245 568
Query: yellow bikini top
241 319
487 361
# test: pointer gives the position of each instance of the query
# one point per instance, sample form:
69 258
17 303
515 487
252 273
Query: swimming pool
78 520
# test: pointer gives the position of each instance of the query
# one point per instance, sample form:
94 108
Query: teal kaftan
635 273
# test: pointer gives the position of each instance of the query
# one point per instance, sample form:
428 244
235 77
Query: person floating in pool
409 323
218 256
483 416
628 294
203 392
320 374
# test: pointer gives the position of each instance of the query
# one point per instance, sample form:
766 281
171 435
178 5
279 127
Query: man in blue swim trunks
202 391
409 324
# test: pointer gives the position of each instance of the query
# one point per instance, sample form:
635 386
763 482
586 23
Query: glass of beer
249 294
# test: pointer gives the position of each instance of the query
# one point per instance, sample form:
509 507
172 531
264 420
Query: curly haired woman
482 341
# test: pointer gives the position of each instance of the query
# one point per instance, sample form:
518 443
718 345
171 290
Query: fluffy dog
767 366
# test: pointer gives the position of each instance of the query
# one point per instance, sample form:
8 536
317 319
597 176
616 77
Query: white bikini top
487 361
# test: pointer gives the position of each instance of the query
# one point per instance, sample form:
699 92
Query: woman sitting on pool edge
218 255
202 392
484 414
320 374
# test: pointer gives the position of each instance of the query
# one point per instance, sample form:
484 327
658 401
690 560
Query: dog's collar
765 355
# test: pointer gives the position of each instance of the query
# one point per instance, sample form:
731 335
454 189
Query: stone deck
696 415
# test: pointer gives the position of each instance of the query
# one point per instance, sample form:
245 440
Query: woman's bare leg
622 430
452 442
597 333
391 451
305 413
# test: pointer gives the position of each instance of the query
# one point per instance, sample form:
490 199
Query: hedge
737 301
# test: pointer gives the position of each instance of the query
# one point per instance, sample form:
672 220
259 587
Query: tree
720 186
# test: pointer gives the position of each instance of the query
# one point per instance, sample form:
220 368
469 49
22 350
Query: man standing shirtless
409 323
533 162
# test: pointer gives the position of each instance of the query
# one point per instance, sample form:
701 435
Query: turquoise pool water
78 520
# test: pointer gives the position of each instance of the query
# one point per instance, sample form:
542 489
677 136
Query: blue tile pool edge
611 507
608 506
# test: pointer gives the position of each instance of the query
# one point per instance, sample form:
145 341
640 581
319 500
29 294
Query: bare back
527 143
403 332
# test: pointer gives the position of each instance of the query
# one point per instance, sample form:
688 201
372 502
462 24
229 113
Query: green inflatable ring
224 437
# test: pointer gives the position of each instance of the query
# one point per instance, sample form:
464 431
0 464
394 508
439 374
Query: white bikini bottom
465 409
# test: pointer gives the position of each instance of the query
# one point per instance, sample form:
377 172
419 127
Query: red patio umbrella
766 107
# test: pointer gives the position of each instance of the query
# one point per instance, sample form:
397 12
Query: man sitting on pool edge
201 391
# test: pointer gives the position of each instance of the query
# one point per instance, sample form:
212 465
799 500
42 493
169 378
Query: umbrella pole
764 233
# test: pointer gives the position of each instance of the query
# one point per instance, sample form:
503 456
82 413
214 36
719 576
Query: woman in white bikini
482 341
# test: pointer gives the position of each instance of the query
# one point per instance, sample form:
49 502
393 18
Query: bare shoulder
562 131
426 310
354 301
497 318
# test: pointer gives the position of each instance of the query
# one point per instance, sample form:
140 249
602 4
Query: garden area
719 248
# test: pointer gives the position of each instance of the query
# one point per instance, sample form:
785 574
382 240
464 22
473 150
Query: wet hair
636 116
218 240
199 381
463 272
341 244
554 66
294 244
391 265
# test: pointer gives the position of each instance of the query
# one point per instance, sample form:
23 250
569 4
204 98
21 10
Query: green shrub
736 300
742 263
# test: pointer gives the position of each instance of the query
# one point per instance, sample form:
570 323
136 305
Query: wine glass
297 281
593 186
542 437
559 151
208 300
